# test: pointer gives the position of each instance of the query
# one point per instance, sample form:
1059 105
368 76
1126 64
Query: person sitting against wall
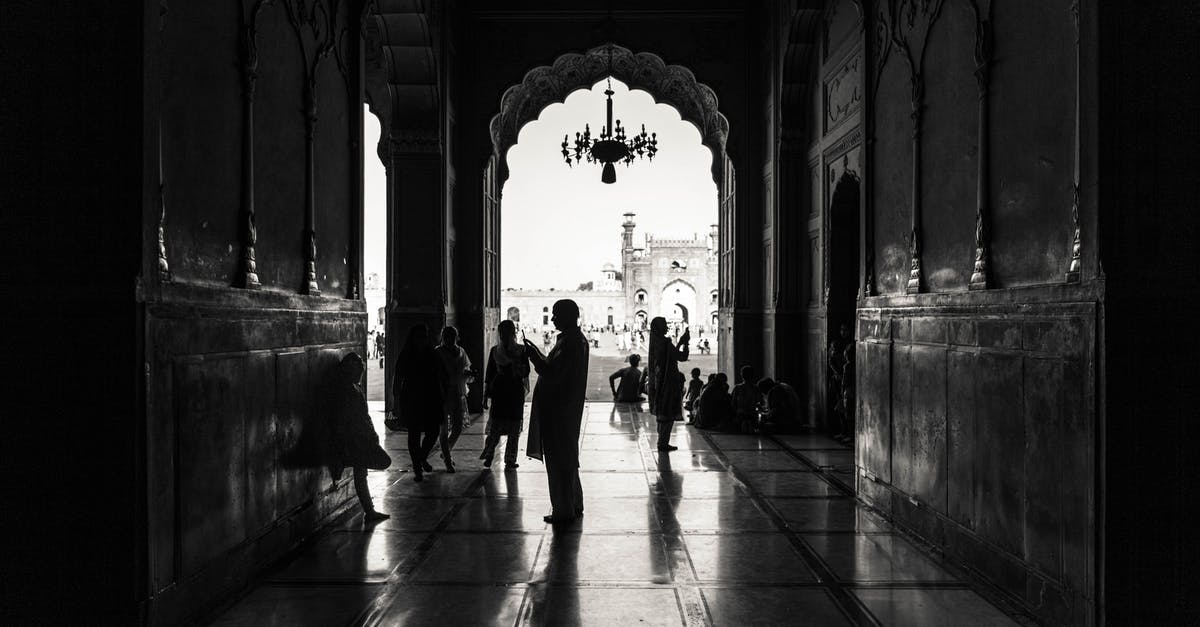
354 440
716 406
746 401
782 414
629 390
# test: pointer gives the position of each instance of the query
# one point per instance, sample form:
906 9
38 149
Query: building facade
672 278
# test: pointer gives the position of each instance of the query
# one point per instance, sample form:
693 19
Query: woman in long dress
418 390
506 382
356 443
665 381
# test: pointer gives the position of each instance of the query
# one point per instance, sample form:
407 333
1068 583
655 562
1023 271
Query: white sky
559 225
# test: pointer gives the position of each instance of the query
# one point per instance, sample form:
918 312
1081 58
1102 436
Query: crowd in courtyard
431 384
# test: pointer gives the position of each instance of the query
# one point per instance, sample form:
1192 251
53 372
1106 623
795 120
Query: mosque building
671 277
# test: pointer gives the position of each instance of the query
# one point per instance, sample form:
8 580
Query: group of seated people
762 406
765 406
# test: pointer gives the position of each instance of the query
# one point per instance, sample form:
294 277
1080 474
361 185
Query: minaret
714 239
627 236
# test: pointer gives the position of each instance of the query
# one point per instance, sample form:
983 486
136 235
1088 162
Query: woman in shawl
418 390
665 380
506 381
356 443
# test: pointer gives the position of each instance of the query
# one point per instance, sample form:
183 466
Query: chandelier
613 144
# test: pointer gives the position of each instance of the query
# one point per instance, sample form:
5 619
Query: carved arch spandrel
669 84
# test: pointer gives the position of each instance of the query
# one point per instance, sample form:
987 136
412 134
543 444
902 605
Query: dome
608 267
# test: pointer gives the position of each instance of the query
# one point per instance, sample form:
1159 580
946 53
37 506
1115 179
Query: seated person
630 388
746 401
716 408
783 406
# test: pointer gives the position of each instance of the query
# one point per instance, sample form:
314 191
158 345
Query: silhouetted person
418 389
558 411
356 444
783 406
837 369
665 380
716 406
455 368
693 394
381 347
505 382
746 401
629 390
848 402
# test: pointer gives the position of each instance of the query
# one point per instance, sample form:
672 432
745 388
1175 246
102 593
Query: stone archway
678 301
674 85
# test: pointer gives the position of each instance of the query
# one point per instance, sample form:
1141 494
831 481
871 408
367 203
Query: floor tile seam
660 500
417 556
849 604
319 583
988 591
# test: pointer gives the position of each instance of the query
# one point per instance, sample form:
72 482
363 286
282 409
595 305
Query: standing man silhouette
557 411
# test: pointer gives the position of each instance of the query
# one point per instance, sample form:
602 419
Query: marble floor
728 530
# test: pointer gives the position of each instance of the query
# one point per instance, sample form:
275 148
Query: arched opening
675 197
843 243
513 314
647 189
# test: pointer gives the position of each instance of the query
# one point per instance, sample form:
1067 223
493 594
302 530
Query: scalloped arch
668 84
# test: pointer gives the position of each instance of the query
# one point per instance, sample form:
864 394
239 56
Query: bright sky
559 225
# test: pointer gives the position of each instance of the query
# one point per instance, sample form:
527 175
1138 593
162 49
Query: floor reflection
728 530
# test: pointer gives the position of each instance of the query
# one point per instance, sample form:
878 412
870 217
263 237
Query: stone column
417 271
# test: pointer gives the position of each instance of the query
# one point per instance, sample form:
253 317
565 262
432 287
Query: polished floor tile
467 557
869 558
831 514
350 556
932 608
439 606
575 557
764 460
569 605
770 606
721 514
742 558
728 530
696 484
299 606
502 514
790 484
738 442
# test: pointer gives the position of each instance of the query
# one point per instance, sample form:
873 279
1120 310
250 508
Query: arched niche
545 85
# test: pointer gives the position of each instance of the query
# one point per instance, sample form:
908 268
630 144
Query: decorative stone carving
315 27
670 84
843 93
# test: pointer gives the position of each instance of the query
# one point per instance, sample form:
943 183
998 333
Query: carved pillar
248 272
417 235
164 268
1073 271
914 21
310 234
914 272
983 61
877 48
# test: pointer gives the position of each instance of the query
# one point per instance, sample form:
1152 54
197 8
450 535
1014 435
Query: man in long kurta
557 412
